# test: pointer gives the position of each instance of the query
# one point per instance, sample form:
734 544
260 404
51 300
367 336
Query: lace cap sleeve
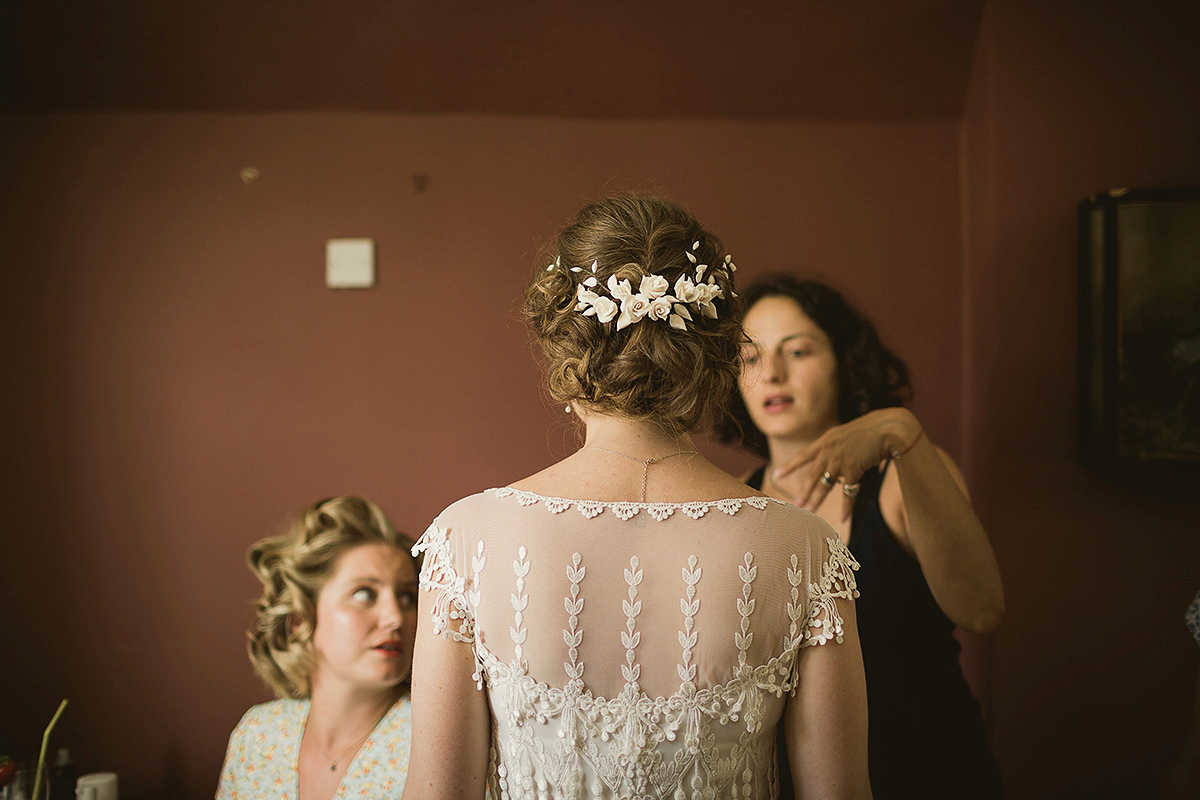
834 580
451 612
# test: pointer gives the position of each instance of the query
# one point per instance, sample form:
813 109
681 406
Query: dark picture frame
1139 375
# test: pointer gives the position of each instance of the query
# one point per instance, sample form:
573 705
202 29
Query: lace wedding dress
634 650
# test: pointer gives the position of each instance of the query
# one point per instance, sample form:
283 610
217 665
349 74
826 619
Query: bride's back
636 615
627 645
551 574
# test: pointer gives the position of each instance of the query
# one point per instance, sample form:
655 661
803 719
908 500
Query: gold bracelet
910 447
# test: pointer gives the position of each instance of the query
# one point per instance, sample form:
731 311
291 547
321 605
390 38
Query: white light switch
350 263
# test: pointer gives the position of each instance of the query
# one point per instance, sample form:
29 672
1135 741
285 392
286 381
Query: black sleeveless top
926 736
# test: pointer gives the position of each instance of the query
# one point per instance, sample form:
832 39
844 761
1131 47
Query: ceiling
830 60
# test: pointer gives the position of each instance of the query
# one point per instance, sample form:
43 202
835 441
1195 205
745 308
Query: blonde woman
332 635
632 621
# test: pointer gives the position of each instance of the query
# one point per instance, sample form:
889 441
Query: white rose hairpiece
651 300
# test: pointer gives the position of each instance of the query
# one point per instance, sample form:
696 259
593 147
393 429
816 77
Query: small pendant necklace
333 762
645 462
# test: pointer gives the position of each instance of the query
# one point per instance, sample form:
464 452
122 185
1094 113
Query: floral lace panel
451 617
700 742
696 743
552 742
835 581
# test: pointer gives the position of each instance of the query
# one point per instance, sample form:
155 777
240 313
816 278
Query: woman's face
789 372
366 619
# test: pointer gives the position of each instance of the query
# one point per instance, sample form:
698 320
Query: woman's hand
845 452
928 501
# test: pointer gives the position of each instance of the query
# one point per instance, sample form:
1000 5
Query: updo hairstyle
870 376
648 370
293 568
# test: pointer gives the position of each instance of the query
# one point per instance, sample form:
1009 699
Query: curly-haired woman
332 635
638 621
821 399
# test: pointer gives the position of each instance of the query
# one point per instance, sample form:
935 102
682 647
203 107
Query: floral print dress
264 749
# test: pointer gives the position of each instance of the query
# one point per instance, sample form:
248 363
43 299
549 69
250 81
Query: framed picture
1140 326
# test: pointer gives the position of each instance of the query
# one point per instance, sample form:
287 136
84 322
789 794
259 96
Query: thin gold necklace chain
334 762
770 473
645 462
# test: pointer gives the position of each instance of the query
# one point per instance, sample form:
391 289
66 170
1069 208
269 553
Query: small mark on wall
249 175
420 181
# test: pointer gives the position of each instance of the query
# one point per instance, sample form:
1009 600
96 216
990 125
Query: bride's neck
634 438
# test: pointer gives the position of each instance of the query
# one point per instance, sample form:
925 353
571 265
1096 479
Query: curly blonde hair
648 370
293 567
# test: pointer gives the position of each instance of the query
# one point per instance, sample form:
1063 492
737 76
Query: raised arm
825 721
947 538
451 721
926 499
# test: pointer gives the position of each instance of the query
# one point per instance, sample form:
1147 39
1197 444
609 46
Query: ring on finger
850 489
827 479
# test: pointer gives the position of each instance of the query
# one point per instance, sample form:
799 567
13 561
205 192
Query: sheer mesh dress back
634 649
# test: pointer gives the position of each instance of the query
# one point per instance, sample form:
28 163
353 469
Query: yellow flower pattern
264 748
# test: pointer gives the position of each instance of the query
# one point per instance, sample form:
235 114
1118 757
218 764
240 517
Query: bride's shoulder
796 519
551 481
465 507
488 503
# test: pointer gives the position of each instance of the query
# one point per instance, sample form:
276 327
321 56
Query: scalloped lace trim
628 510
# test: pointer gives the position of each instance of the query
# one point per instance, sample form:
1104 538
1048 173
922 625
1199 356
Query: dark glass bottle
62 777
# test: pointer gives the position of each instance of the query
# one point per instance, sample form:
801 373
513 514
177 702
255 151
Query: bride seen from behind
632 621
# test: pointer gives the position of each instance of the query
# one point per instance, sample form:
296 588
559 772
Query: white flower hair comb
651 300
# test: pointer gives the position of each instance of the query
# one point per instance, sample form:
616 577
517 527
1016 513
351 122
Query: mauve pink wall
178 379
1093 669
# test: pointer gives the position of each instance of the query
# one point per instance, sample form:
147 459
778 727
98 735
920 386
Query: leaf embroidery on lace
794 609
519 601
573 634
477 564
551 741
836 581
745 607
567 742
689 605
630 637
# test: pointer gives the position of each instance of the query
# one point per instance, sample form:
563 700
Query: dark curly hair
649 370
870 376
